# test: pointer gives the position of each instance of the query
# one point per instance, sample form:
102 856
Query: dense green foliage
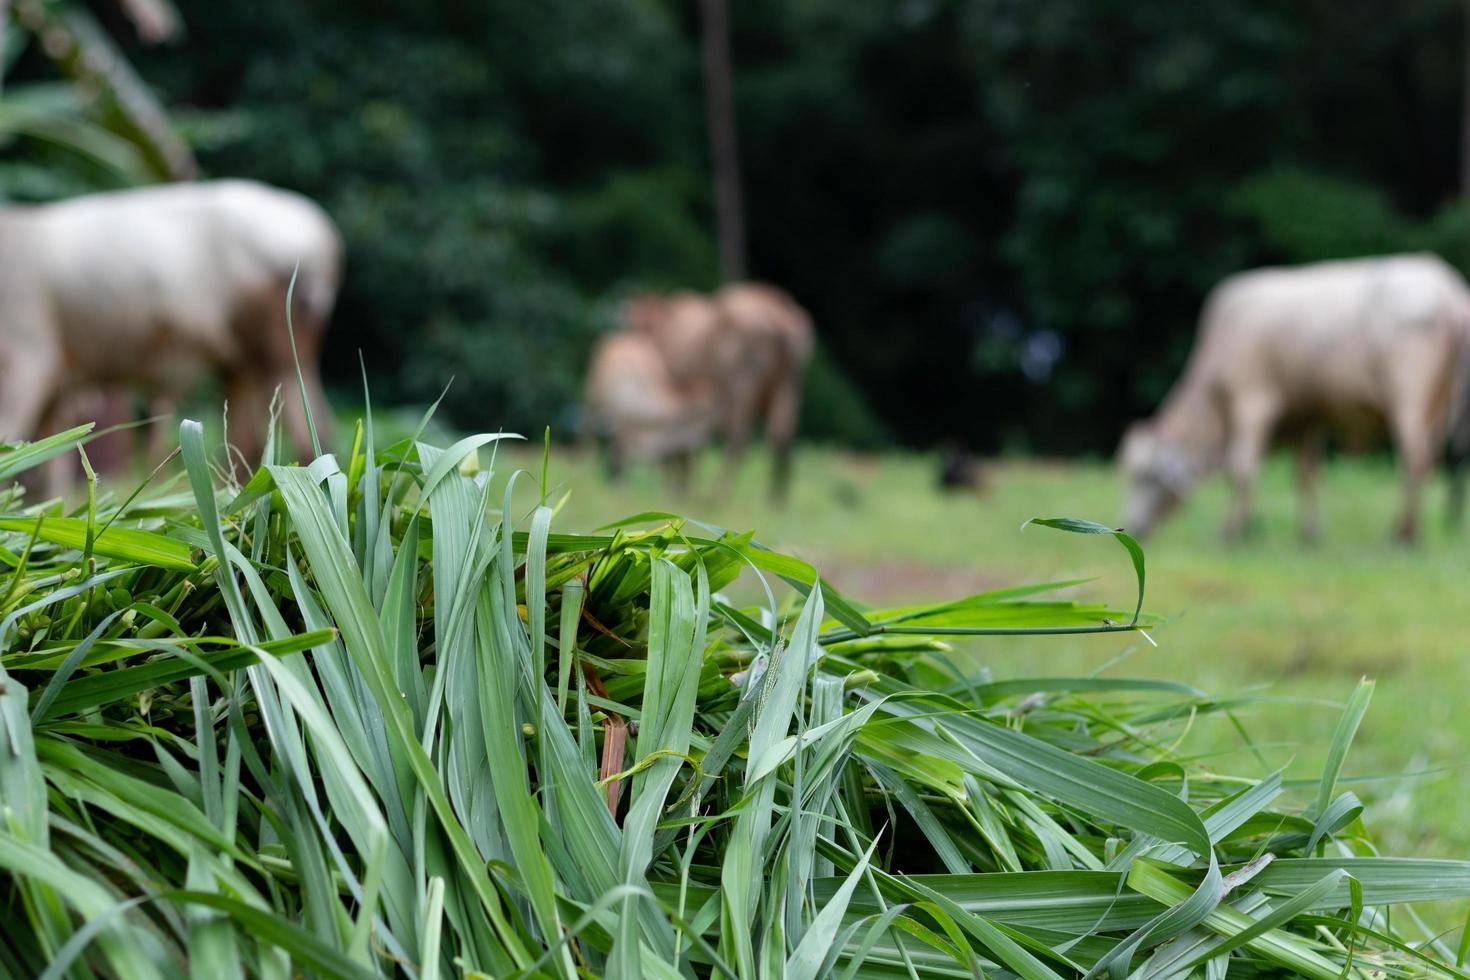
349 720
1021 202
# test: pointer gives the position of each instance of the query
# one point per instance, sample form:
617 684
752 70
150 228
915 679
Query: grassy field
1288 628
401 664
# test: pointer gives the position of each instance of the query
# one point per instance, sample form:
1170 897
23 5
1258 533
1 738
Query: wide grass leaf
121 543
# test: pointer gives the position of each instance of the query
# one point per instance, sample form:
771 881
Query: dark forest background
1003 214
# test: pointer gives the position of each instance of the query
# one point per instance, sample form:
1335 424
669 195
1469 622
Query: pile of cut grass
355 719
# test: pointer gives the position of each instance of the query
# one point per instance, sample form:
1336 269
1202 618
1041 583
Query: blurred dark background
1003 214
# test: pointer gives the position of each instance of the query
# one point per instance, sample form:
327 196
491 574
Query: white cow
1358 347
158 289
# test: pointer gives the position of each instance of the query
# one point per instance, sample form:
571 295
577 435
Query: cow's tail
1457 453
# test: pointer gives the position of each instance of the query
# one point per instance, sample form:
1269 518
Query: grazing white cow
1357 347
158 289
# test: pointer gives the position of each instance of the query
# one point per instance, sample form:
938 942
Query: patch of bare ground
894 582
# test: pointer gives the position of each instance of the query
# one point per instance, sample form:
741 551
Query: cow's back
149 282
766 342
1325 332
272 231
687 334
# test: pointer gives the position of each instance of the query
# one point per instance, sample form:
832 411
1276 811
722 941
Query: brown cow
749 345
157 289
769 342
632 399
1354 346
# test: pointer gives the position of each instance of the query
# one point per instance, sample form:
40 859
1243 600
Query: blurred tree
4 41
105 89
1003 214
1465 106
1128 129
498 173
873 194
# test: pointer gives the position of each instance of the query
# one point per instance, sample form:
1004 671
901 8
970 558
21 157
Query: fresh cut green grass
1292 627
403 712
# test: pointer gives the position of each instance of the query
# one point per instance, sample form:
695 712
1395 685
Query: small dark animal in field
960 470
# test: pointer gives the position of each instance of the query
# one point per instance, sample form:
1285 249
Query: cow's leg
293 415
678 466
1458 433
282 376
781 416
266 363
308 349
56 476
105 409
249 395
616 456
27 382
27 379
1308 460
250 401
739 420
163 430
1251 420
1419 417
109 408
1416 459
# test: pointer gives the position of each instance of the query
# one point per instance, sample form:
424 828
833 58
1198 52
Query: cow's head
1160 474
645 312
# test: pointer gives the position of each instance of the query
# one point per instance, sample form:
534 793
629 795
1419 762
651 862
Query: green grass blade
123 544
1352 717
18 458
1134 549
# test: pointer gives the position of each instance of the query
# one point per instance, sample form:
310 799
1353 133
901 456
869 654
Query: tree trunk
1465 107
4 23
724 149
